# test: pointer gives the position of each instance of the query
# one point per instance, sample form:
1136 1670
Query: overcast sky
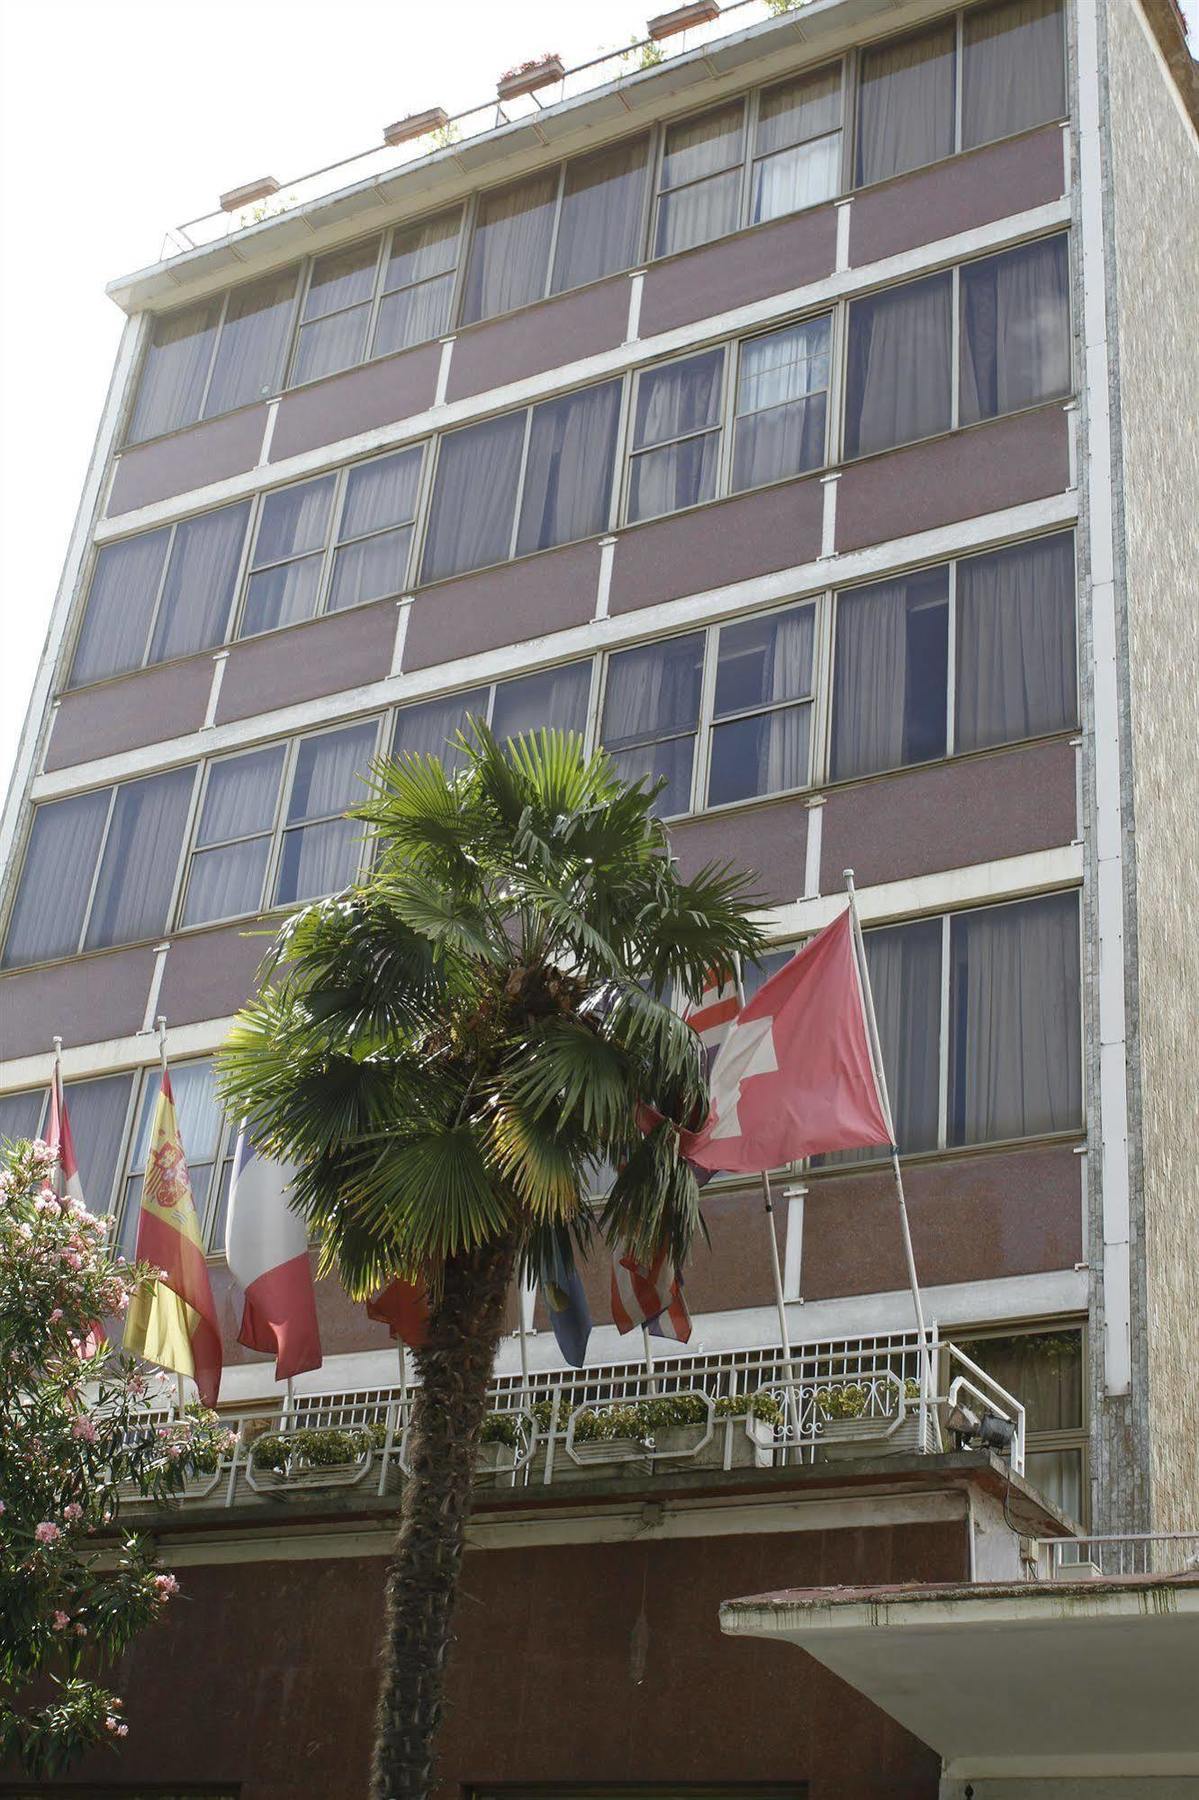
154 108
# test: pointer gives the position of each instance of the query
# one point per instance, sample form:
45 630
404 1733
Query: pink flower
72 1259
73 1511
80 1630
47 1532
61 1621
42 1154
56 1315
165 1585
115 1728
82 1427
3 1508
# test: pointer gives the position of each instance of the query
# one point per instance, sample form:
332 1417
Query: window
1042 1367
761 739
321 850
601 214
1003 621
651 715
553 699
100 869
374 535
523 482
232 841
510 248
162 594
1014 316
288 554
209 358
782 404
797 145
675 457
699 181
98 1109
418 284
208 1140
1009 61
337 310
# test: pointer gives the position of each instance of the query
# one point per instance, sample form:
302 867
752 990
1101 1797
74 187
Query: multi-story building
806 416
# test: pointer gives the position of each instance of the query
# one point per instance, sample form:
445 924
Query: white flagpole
521 1291
880 1076
649 1359
160 1025
60 1185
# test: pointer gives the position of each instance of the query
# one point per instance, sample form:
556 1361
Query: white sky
154 108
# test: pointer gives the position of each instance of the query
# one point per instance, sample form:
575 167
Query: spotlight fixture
990 1432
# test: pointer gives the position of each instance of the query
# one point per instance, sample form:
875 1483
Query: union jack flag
651 1297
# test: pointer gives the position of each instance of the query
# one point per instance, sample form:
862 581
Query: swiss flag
794 1075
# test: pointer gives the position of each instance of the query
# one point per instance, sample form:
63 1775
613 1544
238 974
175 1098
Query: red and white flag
651 1297
403 1307
266 1244
67 1181
795 1077
712 1017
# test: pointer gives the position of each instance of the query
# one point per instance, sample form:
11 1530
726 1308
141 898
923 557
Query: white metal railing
1120 1553
382 159
874 1383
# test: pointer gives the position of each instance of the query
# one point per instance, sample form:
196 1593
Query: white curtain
227 880
554 698
174 372
426 730
568 471
1015 330
413 316
905 104
782 387
798 145
474 497
680 398
509 255
603 200
120 605
701 179
253 339
51 902
141 859
1015 1054
201 577
1016 644
420 251
898 387
803 175
328 345
1014 69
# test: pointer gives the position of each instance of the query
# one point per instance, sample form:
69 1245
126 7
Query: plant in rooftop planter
527 77
753 1445
501 1441
847 1427
311 1458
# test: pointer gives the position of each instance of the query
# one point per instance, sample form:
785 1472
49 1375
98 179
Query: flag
570 1315
711 1019
172 1322
404 1308
651 1297
68 1182
795 1075
266 1244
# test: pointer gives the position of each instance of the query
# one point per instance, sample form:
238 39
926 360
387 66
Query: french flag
651 1297
266 1244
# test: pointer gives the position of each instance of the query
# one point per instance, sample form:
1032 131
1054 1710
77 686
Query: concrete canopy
1095 1677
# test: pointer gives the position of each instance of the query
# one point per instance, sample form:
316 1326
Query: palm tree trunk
422 1580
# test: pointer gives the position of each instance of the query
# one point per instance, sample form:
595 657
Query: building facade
804 417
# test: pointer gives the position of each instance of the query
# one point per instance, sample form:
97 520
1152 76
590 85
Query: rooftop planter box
681 18
416 125
288 1460
847 1429
543 72
687 1430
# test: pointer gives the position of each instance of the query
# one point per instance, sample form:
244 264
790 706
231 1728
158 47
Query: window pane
1016 644
370 570
199 1112
702 145
341 279
652 692
201 578
174 372
603 200
253 338
797 110
766 754
426 730
59 864
782 385
678 398
1015 330
672 759
120 605
555 699
328 345
791 179
319 859
215 1236
141 859
327 772
380 493
418 251
97 1112
568 473
1058 1475
890 675
1041 1369
698 213
905 104
226 882
281 596
904 962
765 660
474 497
293 520
414 315
20 1115
1013 70
898 385
664 481
509 253
1014 1010
241 796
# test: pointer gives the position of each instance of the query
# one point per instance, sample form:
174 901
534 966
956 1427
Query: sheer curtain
413 315
1015 330
293 520
603 201
336 312
510 249
1014 1001
51 902
701 179
554 698
905 104
797 145
761 662
1016 644
120 605
141 859
253 340
98 1110
378 495
321 858
291 534
870 680
1013 70
427 730
474 497
672 401
174 372
905 980
898 386
782 384
568 471
226 878
652 695
201 579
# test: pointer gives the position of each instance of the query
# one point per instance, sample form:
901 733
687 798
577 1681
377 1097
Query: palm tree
448 1050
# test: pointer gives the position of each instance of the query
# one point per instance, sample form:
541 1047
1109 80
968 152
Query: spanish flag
173 1321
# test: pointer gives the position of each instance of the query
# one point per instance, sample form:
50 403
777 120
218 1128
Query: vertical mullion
951 661
470 214
368 343
943 1049
291 336
341 482
100 849
702 761
514 534
955 347
624 418
421 510
279 823
958 65
189 826
305 286
190 847
242 579
822 723
750 111
216 345
728 379
547 286
629 447
838 381
152 625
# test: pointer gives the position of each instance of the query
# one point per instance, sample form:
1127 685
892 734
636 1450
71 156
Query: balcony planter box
678 1446
495 1464
300 1474
533 76
666 24
752 1443
841 1440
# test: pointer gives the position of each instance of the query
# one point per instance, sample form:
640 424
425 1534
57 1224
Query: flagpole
649 1359
160 1025
521 1291
880 1076
60 1185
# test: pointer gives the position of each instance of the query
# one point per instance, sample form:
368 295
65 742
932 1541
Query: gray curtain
1015 330
56 878
553 698
760 662
568 471
141 859
226 877
603 201
252 343
1014 1002
421 251
870 680
905 104
97 1111
328 345
174 372
292 521
1014 69
201 578
378 495
898 386
413 316
678 399
426 730
797 145
510 250
782 388
803 175
120 605
321 858
20 1115
904 962
701 179
1016 673
652 693
474 497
